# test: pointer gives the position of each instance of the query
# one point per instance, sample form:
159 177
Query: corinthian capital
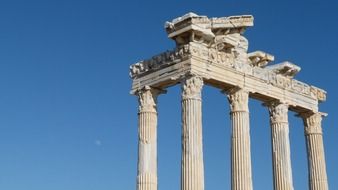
278 112
238 99
147 97
312 122
192 87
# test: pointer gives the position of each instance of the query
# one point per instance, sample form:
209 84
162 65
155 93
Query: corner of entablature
318 93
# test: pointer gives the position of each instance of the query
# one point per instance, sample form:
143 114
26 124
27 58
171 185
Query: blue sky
67 121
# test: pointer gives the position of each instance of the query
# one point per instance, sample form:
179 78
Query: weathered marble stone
315 149
147 159
240 140
214 51
192 175
281 157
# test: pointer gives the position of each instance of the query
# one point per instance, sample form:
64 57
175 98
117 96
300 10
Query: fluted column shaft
282 172
315 151
147 144
192 168
241 178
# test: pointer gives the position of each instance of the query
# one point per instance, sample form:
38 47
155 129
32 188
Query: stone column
147 145
282 172
315 151
240 140
192 169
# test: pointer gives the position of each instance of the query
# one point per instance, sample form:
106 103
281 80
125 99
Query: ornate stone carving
278 112
214 50
224 42
285 68
212 54
148 99
317 93
195 28
192 87
241 50
220 41
239 99
260 59
159 61
312 122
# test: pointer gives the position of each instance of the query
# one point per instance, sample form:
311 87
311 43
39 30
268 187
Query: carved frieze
261 74
317 93
211 55
159 61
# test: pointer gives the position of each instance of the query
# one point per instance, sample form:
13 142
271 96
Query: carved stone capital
147 98
238 99
312 122
192 87
278 112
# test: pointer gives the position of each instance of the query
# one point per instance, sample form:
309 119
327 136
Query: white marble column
147 145
241 175
282 172
192 169
315 151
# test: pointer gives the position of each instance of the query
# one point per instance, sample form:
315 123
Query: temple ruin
214 51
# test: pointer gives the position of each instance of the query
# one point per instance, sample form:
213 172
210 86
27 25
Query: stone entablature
268 76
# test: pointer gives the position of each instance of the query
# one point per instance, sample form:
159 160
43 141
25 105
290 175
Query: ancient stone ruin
214 51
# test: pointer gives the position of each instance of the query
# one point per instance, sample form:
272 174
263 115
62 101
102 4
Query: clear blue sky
67 121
